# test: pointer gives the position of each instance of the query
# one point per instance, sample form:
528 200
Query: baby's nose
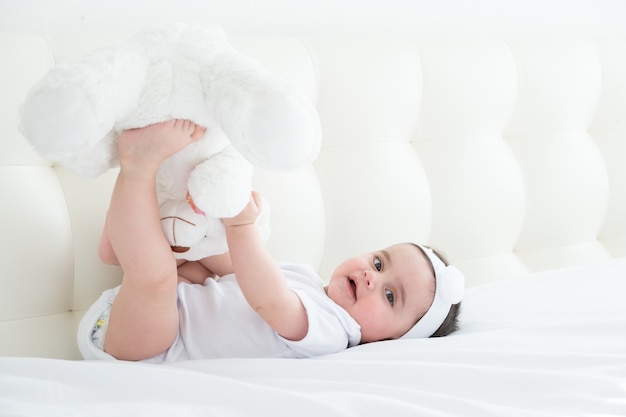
370 278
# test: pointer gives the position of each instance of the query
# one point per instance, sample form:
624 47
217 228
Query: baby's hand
248 215
150 145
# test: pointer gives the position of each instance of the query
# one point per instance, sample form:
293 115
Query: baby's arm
261 280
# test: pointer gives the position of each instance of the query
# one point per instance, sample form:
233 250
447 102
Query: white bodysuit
215 321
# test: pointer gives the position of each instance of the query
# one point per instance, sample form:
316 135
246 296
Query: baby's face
386 291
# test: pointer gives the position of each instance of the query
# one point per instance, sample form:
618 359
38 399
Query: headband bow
449 287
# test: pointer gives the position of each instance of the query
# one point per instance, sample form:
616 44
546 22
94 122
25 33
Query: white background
301 15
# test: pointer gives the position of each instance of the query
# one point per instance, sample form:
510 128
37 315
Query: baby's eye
378 264
390 297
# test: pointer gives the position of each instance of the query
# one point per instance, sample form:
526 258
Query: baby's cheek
375 325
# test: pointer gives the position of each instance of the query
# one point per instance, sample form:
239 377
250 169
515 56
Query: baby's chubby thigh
143 322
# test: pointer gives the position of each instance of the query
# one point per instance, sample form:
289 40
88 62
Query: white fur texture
74 114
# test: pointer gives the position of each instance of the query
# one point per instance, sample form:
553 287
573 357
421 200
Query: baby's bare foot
152 144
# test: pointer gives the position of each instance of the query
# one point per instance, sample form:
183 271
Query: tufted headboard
504 150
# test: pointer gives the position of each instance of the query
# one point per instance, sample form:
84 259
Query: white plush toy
75 113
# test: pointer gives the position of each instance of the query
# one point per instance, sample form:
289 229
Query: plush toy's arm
221 185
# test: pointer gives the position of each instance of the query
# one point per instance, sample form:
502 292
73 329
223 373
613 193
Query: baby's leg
144 316
107 255
193 272
196 272
105 250
219 265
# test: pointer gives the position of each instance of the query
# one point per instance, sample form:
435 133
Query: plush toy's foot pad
60 121
280 132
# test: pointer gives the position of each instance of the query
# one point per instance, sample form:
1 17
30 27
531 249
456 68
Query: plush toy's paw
221 185
183 227
60 121
95 160
279 131
214 243
76 104
266 120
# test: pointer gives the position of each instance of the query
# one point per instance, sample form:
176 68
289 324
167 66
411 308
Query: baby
243 303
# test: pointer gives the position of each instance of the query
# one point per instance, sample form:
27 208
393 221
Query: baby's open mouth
352 287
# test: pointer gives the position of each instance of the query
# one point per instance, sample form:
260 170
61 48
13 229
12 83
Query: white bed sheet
548 344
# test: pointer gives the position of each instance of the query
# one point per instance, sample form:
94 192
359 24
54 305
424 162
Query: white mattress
548 344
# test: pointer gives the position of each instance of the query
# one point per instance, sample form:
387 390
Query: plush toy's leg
95 160
221 185
214 243
76 104
269 123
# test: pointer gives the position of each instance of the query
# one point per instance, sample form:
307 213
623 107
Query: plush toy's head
74 114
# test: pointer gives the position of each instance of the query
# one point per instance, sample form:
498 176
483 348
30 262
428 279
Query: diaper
93 326
100 329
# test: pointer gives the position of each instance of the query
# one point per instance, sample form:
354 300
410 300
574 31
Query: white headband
449 287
